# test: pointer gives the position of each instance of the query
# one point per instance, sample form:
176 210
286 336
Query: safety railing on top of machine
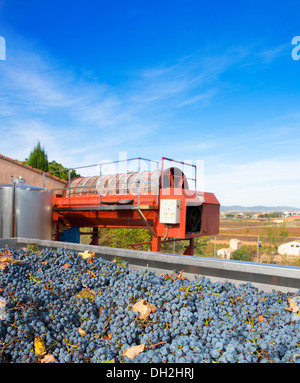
180 176
133 176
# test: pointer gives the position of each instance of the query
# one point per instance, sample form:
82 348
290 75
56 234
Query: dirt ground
248 230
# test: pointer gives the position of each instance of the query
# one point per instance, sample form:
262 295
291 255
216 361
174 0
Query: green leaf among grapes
108 361
119 261
32 246
87 293
36 279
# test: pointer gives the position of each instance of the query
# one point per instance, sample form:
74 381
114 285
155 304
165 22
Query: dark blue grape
196 322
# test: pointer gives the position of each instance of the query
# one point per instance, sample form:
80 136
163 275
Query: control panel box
170 211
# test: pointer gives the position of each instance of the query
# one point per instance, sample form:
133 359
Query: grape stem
156 344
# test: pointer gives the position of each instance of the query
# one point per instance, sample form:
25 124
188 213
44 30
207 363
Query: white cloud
267 182
202 98
192 79
270 55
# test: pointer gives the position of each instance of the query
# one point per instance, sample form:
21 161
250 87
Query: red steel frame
89 209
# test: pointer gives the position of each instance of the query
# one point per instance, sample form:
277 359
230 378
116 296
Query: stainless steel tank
6 217
25 211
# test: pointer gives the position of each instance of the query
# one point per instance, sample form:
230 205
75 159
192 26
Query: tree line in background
38 159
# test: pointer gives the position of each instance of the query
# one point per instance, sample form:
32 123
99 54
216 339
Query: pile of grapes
61 306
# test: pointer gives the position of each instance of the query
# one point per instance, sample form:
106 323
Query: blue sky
189 80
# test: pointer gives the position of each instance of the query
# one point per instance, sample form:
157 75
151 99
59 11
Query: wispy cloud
267 181
41 101
192 79
202 98
269 55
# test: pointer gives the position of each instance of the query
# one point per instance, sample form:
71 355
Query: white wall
291 248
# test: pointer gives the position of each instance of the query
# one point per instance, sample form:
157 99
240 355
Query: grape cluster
196 321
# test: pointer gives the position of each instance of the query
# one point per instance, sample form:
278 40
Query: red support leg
95 237
156 241
190 249
56 230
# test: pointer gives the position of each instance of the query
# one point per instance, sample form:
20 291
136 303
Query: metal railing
186 178
264 276
69 190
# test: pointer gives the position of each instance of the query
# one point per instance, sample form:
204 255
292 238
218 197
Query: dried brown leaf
87 254
6 259
153 308
81 332
131 352
293 306
144 308
91 273
180 276
3 303
260 318
106 337
48 359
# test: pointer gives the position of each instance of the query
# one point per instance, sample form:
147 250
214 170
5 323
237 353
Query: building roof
227 249
19 163
290 243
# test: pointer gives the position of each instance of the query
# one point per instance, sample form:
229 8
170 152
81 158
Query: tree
241 254
122 238
273 236
60 171
38 158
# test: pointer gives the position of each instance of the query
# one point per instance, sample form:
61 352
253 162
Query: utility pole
215 248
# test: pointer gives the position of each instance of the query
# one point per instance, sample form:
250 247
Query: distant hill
258 209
